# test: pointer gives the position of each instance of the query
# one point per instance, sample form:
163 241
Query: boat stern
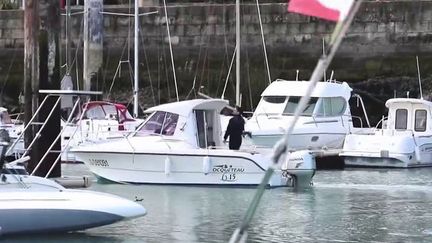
379 150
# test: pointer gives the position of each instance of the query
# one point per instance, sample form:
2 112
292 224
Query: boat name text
99 162
227 169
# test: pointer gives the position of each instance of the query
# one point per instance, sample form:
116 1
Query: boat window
153 125
401 119
111 111
201 129
274 99
420 120
338 106
293 102
331 106
170 124
271 105
95 112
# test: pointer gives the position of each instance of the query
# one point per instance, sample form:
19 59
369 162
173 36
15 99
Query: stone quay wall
383 41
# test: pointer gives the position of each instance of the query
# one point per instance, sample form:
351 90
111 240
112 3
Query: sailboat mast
68 37
135 93
238 102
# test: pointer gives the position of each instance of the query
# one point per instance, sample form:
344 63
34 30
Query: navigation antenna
419 78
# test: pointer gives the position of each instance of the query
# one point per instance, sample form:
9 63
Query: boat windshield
284 105
95 112
159 123
293 102
331 106
271 105
111 111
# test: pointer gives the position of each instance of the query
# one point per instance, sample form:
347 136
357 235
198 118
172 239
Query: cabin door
205 123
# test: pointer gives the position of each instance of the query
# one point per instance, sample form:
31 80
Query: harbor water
351 205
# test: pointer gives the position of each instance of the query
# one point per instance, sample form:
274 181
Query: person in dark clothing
235 129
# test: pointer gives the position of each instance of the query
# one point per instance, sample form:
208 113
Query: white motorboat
181 143
101 120
30 204
404 141
323 125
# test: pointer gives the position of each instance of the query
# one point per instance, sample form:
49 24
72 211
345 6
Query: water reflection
353 205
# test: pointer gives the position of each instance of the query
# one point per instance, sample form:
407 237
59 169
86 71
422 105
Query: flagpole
240 234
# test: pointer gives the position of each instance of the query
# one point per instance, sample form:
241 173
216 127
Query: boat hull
396 162
186 168
302 141
38 205
29 221
387 150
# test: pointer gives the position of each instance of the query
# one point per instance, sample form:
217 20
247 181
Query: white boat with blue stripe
31 204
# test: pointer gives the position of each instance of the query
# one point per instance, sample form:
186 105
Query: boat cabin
195 121
102 110
328 99
105 110
406 114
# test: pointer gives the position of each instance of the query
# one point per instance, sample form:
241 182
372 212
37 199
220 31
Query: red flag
334 10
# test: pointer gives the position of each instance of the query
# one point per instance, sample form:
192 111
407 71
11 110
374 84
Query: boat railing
361 103
335 117
16 118
30 123
330 80
102 132
381 122
359 119
58 94
130 144
68 121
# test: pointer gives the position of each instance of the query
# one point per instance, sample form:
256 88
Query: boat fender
167 166
206 165
417 153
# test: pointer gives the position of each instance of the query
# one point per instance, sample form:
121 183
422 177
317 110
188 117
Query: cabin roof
99 103
298 88
184 108
397 101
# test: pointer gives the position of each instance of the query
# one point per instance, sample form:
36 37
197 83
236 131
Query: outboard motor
301 166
